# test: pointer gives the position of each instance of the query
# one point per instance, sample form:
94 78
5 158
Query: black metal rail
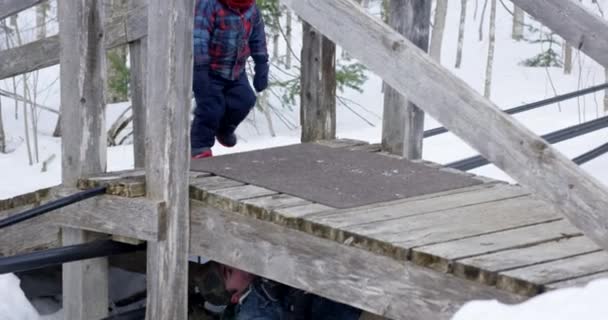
58 256
129 315
553 137
531 106
48 207
588 156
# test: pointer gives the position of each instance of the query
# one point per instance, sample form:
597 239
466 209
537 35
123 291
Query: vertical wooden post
168 91
318 86
85 283
138 56
403 122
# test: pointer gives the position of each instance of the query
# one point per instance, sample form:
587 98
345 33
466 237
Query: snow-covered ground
513 85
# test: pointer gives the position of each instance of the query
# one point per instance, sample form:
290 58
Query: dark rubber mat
338 178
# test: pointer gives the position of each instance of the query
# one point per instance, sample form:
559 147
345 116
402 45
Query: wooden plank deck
495 234
492 240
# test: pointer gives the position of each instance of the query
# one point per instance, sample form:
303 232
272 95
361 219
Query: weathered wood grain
293 216
263 208
485 268
130 184
29 57
394 289
441 256
44 53
25 199
520 280
460 223
402 121
576 282
342 143
570 19
137 218
28 236
201 186
498 137
85 282
11 7
392 210
229 198
168 99
138 55
318 86
128 27
83 65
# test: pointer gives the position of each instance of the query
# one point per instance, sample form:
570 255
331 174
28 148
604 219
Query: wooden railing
118 30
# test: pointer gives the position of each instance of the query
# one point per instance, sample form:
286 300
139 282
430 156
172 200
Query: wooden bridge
403 239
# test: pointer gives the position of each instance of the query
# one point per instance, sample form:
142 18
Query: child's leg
210 107
239 99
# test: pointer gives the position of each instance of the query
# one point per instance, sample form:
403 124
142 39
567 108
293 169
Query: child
226 33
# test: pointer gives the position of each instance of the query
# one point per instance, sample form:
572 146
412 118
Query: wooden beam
82 56
139 55
137 218
44 53
570 19
11 7
318 81
30 57
403 122
129 27
169 92
498 137
380 285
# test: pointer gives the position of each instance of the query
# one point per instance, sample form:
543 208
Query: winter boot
227 140
201 153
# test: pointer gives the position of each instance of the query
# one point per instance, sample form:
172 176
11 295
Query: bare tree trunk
483 16
606 94
463 18
476 9
438 27
2 136
403 122
265 106
488 83
41 13
288 31
518 23
15 25
275 46
567 58
13 20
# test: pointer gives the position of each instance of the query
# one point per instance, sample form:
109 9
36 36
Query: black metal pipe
129 315
57 256
553 137
437 131
588 156
53 205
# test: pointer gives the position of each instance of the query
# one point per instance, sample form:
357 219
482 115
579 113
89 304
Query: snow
513 85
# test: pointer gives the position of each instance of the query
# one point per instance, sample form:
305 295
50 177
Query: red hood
238 4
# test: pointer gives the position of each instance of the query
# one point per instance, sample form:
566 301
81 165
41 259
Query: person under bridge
214 286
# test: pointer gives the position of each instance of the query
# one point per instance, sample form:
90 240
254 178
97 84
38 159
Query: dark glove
201 83
260 79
